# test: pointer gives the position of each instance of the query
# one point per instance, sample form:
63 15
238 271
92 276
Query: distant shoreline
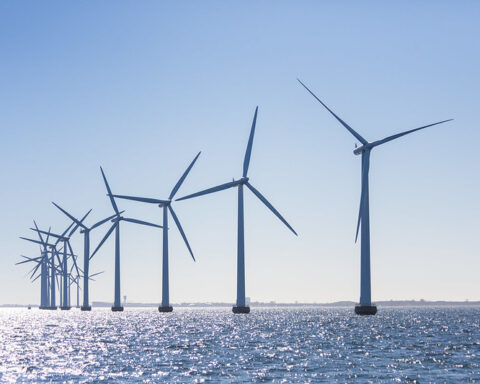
337 304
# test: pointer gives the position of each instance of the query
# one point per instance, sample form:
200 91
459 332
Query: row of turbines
52 265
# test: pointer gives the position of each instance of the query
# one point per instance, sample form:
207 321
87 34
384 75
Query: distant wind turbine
167 207
365 307
241 306
86 251
65 239
117 305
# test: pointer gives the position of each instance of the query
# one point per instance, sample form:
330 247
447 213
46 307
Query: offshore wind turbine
47 292
241 306
365 307
86 252
167 207
117 304
65 239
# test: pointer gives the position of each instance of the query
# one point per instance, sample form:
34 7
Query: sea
282 345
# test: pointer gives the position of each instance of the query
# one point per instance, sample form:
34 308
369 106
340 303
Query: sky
140 87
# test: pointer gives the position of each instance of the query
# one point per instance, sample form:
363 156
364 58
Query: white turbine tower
365 307
241 306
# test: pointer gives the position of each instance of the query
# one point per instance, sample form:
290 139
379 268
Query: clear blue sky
141 87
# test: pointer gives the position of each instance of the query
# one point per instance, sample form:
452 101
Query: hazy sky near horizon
141 87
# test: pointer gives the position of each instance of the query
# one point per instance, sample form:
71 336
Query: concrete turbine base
165 309
365 310
117 309
65 308
238 310
88 308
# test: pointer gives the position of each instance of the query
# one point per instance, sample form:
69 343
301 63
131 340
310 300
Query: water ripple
209 345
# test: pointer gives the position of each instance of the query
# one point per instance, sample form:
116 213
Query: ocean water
405 345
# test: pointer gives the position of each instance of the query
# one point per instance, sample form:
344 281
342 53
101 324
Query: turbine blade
45 232
28 260
96 274
177 222
104 239
41 238
48 235
246 160
35 270
182 179
109 192
64 233
270 206
37 242
350 129
70 216
393 137
73 257
105 220
142 199
211 190
36 278
81 221
141 222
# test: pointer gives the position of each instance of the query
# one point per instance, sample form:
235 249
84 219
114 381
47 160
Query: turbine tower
241 306
365 307
86 252
167 207
117 305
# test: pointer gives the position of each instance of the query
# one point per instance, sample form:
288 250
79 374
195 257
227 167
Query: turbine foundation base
65 308
365 310
117 309
238 310
50 308
165 309
87 308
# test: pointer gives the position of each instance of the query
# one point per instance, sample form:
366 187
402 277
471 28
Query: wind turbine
47 291
65 239
167 207
43 288
117 305
86 252
241 306
365 307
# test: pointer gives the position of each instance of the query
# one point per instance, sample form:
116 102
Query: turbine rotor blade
81 221
39 234
248 152
393 137
37 242
105 220
73 257
109 192
182 179
142 199
212 190
350 129
104 239
140 222
70 216
270 206
180 229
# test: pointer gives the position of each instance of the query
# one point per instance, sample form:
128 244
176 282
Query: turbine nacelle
166 203
359 150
